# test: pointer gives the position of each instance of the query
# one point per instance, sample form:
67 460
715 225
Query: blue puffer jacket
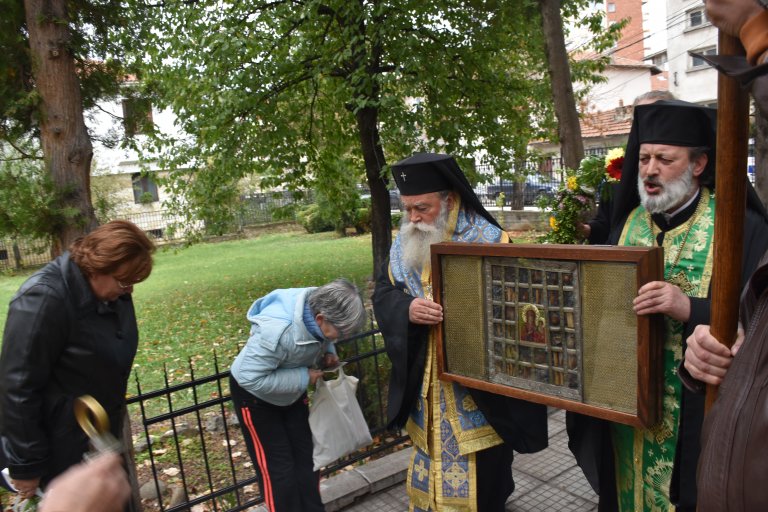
273 365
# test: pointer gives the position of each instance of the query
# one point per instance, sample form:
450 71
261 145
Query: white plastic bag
337 423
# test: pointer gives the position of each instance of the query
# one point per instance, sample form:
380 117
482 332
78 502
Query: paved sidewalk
544 481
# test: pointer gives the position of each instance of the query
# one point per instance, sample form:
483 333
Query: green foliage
29 203
289 92
575 202
103 194
311 218
95 47
565 210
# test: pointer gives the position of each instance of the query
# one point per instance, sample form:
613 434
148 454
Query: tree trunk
568 129
373 155
63 135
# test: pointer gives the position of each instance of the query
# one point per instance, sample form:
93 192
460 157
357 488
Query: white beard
415 239
672 194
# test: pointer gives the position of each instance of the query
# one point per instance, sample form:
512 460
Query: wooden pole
730 187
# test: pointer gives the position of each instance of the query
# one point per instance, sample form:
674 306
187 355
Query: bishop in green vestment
666 198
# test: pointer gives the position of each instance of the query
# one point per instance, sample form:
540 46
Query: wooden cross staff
730 184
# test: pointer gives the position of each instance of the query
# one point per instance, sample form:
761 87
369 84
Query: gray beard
415 239
673 193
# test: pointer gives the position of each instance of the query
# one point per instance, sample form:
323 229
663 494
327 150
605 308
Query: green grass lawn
194 302
196 298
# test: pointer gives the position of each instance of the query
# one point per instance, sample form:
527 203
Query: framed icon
551 324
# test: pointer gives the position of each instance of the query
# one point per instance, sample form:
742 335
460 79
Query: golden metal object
91 416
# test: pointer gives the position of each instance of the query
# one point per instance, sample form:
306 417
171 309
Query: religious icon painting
534 314
531 324
551 325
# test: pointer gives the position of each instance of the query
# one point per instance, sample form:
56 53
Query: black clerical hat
676 124
671 122
422 173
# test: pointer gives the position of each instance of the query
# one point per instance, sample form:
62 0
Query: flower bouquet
574 203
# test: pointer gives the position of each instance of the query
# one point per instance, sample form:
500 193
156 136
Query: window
699 63
659 59
611 7
144 189
137 116
697 18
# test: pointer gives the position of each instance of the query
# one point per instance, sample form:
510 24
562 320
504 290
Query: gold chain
700 208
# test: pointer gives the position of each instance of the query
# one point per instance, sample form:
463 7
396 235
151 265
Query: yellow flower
553 223
572 184
614 153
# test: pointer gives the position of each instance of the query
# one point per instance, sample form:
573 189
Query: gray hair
653 97
695 152
340 304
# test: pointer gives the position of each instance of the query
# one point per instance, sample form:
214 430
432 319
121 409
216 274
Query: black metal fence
189 449
16 254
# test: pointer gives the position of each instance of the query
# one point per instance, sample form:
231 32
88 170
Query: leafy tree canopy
281 88
94 44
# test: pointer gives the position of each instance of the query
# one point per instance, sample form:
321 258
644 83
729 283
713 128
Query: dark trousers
494 478
280 444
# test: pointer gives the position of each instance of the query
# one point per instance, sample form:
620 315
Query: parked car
394 198
534 187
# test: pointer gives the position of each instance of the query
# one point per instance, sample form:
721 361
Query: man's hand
425 312
99 485
708 360
662 297
26 488
730 15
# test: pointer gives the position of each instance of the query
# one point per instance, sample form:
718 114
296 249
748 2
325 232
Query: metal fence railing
16 254
162 225
189 448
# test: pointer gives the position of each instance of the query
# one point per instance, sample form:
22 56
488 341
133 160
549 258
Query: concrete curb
345 488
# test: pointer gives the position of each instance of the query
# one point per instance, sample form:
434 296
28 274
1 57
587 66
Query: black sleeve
600 226
404 342
35 334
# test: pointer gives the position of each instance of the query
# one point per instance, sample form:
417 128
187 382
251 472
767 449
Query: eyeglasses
121 284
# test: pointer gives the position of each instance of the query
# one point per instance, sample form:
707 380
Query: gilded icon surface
533 311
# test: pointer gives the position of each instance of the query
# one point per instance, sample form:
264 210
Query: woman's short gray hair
340 304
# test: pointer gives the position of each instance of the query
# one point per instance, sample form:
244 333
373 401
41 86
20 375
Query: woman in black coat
71 331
